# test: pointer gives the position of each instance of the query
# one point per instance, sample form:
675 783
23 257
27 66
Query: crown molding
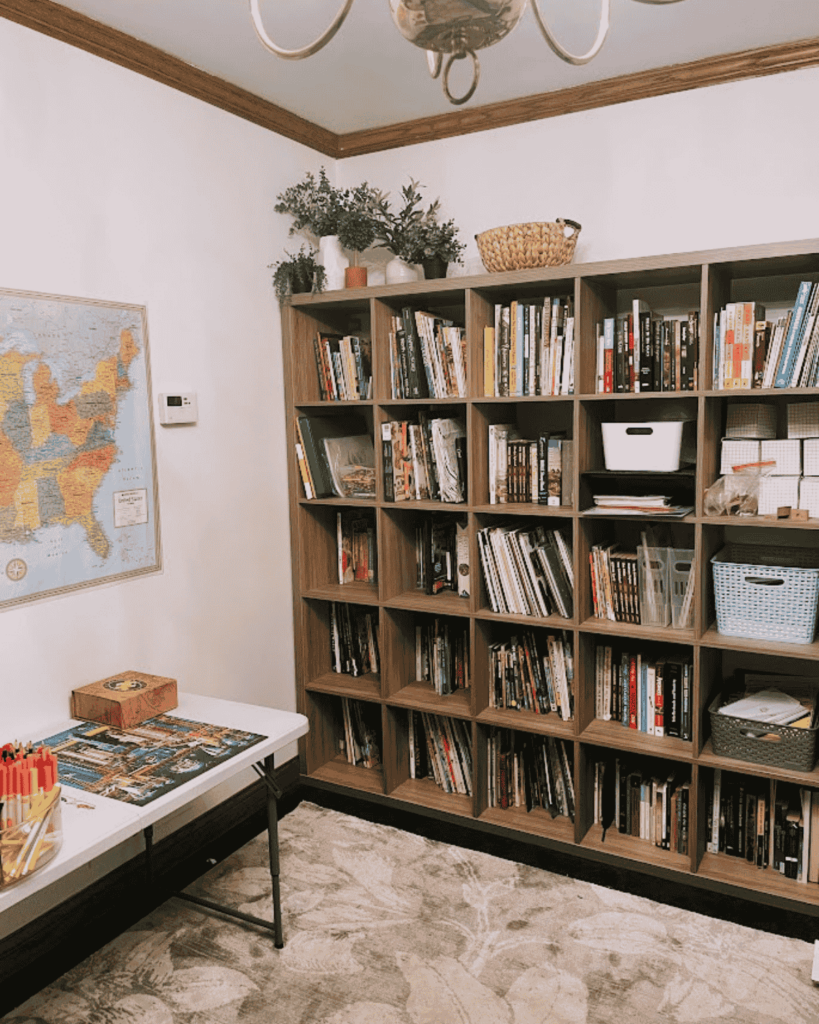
727 67
68 26
78 30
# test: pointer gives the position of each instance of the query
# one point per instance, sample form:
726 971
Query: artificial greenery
317 205
414 233
298 273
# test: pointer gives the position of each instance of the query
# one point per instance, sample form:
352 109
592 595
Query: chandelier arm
305 51
476 74
560 51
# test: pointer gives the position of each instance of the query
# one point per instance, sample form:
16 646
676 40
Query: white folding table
93 824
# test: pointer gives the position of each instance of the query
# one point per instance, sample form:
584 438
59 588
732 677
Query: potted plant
415 235
358 229
300 272
325 211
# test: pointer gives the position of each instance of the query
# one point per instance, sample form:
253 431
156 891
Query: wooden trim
726 67
58 22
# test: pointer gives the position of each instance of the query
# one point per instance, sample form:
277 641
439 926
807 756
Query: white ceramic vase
332 258
397 270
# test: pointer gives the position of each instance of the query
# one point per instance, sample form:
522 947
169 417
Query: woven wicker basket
521 246
781 746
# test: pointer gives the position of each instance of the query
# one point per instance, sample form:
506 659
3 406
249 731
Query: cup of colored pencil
30 820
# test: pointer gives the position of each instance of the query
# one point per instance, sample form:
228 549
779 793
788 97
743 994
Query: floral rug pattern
385 927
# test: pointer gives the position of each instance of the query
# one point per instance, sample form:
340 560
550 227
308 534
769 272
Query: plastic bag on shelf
736 494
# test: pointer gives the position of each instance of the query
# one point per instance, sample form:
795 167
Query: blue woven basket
768 593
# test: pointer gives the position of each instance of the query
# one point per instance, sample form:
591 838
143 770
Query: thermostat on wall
179 408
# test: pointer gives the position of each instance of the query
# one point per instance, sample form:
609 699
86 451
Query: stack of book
533 470
362 728
442 555
637 505
530 348
527 676
442 654
441 748
639 352
640 691
344 367
335 456
753 352
357 549
527 570
424 461
529 771
353 639
427 356
649 804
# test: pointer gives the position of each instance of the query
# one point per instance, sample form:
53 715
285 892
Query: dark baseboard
38 953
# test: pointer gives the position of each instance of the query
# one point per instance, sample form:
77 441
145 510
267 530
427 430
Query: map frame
9 562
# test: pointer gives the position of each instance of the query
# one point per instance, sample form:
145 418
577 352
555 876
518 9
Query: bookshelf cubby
672 285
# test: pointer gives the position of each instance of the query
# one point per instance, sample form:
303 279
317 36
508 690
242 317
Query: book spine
788 355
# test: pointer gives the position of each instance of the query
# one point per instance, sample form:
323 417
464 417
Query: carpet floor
384 926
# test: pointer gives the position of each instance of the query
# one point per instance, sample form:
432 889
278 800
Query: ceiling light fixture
454 29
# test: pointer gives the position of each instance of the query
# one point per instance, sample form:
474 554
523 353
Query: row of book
752 352
335 457
353 639
648 803
442 654
440 748
344 367
640 691
442 555
362 728
527 675
356 545
529 470
529 350
529 771
650 586
527 570
424 461
427 356
639 352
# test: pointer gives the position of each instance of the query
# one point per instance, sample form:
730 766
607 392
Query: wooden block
783 512
125 699
799 513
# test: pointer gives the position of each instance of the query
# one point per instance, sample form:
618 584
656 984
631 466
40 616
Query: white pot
397 271
331 257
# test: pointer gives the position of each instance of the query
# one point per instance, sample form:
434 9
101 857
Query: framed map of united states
78 493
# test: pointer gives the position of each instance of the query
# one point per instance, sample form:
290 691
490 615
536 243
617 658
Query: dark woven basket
782 745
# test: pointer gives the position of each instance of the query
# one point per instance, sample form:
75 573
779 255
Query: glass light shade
455 26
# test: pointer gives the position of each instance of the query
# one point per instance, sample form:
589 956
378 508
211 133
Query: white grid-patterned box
809 495
776 491
751 419
737 453
786 453
810 456
803 419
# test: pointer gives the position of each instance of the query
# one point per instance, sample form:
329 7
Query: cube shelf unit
672 285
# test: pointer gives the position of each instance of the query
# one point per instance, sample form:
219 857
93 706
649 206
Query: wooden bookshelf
699 280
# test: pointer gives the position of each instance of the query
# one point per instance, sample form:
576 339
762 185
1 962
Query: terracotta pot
355 277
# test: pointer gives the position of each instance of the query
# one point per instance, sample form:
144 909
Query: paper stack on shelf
637 504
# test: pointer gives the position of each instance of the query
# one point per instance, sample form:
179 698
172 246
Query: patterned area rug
386 927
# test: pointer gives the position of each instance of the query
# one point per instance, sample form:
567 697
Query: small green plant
414 233
298 273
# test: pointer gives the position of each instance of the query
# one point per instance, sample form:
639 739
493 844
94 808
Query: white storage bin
751 420
776 491
809 495
803 419
647 447
810 456
786 454
737 453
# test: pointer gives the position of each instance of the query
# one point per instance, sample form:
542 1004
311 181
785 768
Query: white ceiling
369 76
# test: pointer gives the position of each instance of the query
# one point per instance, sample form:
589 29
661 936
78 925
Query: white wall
729 165
116 188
